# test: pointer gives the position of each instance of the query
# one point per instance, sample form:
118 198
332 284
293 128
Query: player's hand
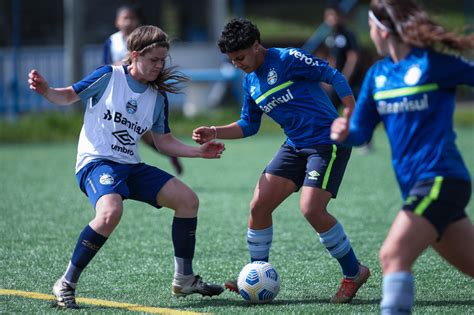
339 129
37 82
203 134
212 150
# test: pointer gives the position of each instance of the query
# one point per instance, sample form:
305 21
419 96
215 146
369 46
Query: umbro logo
252 90
313 175
124 137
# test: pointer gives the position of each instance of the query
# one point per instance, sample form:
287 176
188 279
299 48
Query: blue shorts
441 201
321 166
139 182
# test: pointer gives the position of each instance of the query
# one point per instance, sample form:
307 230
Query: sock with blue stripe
259 243
337 243
398 293
184 241
87 246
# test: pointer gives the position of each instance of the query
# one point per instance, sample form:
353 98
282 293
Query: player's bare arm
58 96
339 129
204 134
349 105
169 145
340 126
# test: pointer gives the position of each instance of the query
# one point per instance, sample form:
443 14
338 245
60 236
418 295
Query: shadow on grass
279 302
444 303
276 303
219 302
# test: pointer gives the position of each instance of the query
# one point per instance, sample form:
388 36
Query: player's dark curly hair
146 37
238 34
413 26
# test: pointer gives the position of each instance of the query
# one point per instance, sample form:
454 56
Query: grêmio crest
131 106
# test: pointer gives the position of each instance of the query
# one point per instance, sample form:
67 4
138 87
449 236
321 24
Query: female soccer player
284 84
412 91
122 103
128 18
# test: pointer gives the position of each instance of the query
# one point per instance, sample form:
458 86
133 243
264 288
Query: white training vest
113 126
118 47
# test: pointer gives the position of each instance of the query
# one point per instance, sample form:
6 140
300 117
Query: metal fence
17 98
15 95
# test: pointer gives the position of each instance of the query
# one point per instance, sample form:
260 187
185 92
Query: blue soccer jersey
287 88
414 99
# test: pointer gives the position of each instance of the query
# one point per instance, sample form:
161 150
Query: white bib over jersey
113 126
118 47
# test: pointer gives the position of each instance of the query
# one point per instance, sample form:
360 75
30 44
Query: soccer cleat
194 284
65 294
349 287
232 286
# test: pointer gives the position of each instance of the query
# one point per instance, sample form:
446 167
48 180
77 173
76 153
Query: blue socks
87 246
259 243
398 293
184 241
337 243
89 243
335 240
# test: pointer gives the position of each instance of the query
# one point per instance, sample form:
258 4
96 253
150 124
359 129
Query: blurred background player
341 49
284 84
108 167
128 18
412 91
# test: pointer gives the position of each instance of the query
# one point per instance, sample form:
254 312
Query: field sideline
43 212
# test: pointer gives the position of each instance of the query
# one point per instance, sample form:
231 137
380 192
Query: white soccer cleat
185 285
65 294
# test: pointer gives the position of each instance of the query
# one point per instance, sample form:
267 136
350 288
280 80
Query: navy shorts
139 182
321 166
441 201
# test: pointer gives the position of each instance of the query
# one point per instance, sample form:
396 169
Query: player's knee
307 213
384 259
254 213
258 211
389 259
313 212
253 204
189 204
254 207
109 216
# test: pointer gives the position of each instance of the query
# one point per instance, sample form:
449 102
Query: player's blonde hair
407 20
146 37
